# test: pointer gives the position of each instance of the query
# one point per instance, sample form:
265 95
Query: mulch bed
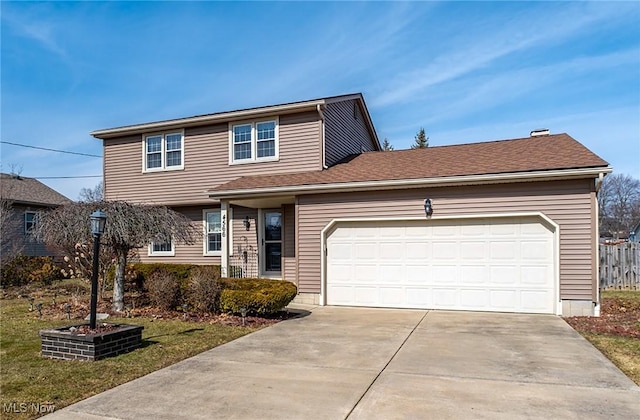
79 310
618 316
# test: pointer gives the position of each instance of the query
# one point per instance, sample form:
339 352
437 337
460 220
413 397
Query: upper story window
253 141
30 220
163 152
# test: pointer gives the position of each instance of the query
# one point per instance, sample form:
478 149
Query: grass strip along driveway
31 385
616 332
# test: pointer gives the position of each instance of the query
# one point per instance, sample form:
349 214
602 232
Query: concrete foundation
578 308
307 298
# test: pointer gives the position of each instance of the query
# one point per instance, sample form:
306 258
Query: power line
50 150
65 177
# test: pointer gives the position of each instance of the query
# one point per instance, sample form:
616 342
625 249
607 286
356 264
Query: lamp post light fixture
98 221
428 208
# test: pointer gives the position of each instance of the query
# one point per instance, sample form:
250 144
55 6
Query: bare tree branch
129 226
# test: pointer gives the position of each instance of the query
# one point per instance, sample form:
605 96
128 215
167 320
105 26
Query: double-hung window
30 220
213 232
254 141
160 248
163 152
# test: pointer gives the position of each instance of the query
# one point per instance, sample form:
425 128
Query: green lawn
27 378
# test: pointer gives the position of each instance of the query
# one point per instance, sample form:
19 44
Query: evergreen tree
386 146
421 140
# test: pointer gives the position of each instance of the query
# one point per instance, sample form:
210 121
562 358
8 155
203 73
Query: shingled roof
24 190
541 153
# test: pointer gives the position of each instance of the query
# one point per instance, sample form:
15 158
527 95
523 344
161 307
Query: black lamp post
98 220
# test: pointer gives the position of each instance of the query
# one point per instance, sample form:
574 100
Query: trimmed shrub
164 289
24 270
204 288
256 296
137 273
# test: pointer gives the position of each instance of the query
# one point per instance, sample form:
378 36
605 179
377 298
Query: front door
272 243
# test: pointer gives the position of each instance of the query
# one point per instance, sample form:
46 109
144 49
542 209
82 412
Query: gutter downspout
322 135
596 308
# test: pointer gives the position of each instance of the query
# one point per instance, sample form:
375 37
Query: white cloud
479 50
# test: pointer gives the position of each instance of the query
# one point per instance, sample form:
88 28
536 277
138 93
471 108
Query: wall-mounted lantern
246 222
428 208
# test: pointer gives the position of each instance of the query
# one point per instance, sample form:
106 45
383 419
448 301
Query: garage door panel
366 296
445 298
419 297
473 250
417 250
366 273
474 299
534 300
417 273
503 250
504 274
534 250
487 264
507 300
392 250
474 274
392 273
535 276
444 250
442 274
392 296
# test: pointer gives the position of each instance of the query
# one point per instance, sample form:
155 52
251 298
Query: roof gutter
413 183
206 119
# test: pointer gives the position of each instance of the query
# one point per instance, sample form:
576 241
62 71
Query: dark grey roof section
25 190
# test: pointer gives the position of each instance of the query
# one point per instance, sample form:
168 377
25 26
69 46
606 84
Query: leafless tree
92 195
619 204
129 226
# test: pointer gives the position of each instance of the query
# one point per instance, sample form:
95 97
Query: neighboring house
22 199
302 192
634 235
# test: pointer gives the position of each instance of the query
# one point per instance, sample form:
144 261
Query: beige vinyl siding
289 244
346 131
241 236
186 254
206 162
568 203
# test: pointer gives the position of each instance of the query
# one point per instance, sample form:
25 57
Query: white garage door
503 265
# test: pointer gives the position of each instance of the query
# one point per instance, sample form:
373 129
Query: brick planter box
60 343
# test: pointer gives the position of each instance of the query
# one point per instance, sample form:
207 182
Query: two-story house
302 192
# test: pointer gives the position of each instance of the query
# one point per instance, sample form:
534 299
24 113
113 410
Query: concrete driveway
359 363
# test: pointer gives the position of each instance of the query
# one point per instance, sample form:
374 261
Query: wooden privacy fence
620 266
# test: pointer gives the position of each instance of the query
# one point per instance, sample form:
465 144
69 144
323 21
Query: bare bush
204 289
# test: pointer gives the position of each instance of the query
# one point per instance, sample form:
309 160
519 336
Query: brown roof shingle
551 152
29 191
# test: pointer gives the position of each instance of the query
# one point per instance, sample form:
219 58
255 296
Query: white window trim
205 239
35 222
163 152
254 142
171 253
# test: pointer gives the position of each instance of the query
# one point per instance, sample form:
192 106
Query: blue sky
466 72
